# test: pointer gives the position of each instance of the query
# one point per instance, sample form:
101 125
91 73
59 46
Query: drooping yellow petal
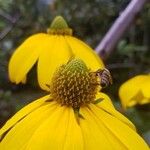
24 80
126 136
55 54
84 52
52 50
21 133
59 132
23 112
135 91
130 88
107 106
26 56
139 98
145 88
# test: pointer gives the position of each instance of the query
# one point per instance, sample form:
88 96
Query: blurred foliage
6 106
90 20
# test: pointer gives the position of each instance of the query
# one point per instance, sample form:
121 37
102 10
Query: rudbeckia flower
49 50
135 91
75 116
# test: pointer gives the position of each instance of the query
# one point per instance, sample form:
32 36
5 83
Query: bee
105 77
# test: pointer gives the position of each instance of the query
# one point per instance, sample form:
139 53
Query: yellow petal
23 112
55 54
106 102
131 103
20 134
59 132
125 135
107 106
96 135
24 80
25 57
145 88
84 52
144 101
129 90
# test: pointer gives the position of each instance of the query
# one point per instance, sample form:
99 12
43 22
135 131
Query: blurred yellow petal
135 91
25 57
55 54
24 80
130 88
24 112
145 88
84 52
144 101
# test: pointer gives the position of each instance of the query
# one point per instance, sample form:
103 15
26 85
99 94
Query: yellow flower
45 125
135 91
49 50
75 116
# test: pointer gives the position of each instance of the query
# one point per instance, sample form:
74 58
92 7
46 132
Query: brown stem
6 16
13 21
112 37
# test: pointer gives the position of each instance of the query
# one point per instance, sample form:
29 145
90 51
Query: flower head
49 50
75 116
73 84
135 91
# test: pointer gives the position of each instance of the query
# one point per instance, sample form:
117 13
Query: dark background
90 20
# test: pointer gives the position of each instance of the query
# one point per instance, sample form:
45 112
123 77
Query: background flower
135 91
49 50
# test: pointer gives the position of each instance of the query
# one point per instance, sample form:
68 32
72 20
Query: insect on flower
105 77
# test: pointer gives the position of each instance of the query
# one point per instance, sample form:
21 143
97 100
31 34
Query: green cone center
73 84
59 27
